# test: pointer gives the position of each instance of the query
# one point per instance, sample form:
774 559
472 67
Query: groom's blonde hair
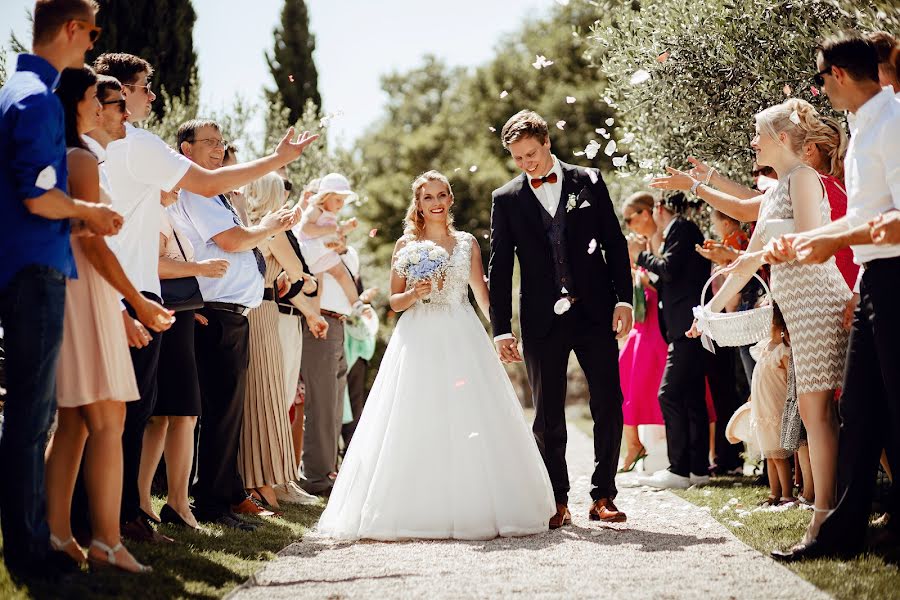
414 220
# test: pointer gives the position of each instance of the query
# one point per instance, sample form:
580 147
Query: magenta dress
641 365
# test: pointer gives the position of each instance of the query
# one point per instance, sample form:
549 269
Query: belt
269 294
288 310
228 307
333 315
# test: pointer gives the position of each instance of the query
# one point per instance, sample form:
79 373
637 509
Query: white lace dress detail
454 289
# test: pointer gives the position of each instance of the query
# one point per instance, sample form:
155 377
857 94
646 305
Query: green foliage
713 65
159 31
175 110
291 61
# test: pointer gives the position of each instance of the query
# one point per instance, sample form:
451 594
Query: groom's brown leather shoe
605 510
562 517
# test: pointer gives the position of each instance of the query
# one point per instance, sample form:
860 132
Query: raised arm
477 281
744 210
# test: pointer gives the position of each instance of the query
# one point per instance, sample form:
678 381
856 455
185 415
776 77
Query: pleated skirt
267 452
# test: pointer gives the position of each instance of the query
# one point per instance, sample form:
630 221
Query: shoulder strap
177 241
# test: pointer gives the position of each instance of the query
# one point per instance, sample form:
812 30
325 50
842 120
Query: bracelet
696 185
709 175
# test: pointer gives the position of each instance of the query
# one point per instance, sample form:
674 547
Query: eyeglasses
93 30
148 87
211 142
120 102
819 78
629 218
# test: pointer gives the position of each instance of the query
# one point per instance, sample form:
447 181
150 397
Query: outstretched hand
289 149
675 180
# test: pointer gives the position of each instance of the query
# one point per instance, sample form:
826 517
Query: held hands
849 311
100 219
309 284
885 228
622 321
137 334
289 150
783 249
212 267
153 315
814 251
508 350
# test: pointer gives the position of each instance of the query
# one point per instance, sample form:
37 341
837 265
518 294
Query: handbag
775 228
181 293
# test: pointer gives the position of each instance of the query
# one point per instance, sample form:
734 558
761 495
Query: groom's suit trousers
546 360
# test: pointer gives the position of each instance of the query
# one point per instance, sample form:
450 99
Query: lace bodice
455 287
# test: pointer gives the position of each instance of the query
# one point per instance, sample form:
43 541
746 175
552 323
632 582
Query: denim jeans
31 312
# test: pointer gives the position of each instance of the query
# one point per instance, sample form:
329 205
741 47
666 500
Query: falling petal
610 121
579 153
814 90
562 305
291 78
592 175
564 290
485 236
459 383
473 168
610 148
493 129
787 90
373 233
570 99
601 130
663 57
592 246
620 161
456 170
592 149
541 62
474 434
640 76
561 125
605 134
628 138
504 94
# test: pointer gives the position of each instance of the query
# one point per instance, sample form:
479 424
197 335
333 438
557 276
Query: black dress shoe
226 520
148 517
243 519
804 551
170 515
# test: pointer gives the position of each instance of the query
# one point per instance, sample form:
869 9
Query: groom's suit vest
555 228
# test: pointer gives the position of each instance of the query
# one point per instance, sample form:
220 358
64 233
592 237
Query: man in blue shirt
35 260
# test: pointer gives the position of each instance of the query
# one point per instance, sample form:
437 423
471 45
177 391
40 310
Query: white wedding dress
442 449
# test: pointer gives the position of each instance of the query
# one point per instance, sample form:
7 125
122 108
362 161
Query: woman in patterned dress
812 297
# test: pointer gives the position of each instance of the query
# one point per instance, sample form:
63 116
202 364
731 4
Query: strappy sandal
770 501
111 561
60 546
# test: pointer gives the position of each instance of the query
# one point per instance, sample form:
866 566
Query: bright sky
356 42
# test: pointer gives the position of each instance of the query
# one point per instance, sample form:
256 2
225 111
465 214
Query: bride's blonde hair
414 220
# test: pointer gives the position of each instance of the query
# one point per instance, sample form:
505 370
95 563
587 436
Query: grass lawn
206 564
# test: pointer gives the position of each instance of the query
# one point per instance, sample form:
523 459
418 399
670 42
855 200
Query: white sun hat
334 183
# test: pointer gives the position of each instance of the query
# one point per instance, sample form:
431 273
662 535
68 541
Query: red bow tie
539 181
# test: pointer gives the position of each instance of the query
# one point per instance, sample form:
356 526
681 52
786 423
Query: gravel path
668 549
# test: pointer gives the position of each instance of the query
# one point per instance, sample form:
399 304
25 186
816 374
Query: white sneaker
665 480
699 479
291 493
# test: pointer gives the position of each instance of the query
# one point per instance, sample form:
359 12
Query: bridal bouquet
418 261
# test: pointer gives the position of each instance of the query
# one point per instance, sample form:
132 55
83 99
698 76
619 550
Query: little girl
319 229
768 393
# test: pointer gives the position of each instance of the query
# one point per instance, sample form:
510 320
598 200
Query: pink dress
317 255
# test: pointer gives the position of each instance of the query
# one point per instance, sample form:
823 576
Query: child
768 393
320 229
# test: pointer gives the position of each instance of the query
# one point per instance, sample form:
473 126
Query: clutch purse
181 293
775 228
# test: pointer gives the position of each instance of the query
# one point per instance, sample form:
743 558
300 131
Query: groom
576 291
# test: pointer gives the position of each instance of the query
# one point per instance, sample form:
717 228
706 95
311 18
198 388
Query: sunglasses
632 216
819 78
120 102
93 30
148 87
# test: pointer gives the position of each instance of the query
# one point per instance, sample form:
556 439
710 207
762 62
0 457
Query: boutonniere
571 202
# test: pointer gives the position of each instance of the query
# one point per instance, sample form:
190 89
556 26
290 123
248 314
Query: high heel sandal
60 546
641 455
111 561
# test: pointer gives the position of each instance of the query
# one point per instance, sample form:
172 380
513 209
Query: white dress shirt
872 169
138 167
333 297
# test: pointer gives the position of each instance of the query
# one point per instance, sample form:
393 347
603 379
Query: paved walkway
668 549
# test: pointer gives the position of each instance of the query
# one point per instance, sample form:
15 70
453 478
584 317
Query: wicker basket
737 328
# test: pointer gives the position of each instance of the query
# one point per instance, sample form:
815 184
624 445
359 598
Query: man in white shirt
139 167
870 401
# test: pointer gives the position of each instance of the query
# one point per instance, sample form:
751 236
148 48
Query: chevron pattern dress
812 299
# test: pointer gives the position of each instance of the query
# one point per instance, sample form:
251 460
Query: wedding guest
222 345
139 167
642 359
870 400
170 431
888 48
237 199
682 274
35 260
94 377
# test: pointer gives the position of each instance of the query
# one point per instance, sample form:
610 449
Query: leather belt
333 315
269 294
228 307
289 310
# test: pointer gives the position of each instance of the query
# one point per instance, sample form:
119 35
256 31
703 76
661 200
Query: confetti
570 99
473 168
564 290
474 434
561 125
620 161
485 236
663 57
456 170
579 153
291 78
628 138
459 383
638 77
605 134
593 175
504 94
787 90
592 246
373 233
813 90
562 305
493 129
610 148
541 62
610 121
592 149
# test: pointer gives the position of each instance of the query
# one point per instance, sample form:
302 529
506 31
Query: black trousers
721 374
223 357
356 388
546 360
869 405
682 398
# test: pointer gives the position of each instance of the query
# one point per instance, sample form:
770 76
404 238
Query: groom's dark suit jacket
602 278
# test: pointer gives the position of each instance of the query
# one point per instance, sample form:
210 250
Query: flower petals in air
459 383
493 129
610 148
560 125
473 168
291 78
562 305
620 161
592 149
570 99
628 138
640 76
814 90
579 153
541 62
592 246
663 57
504 94
610 121
373 233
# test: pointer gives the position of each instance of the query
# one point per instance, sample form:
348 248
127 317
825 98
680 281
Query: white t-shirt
201 219
138 168
333 297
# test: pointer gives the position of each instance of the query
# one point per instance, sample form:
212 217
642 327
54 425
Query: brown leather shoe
139 530
250 507
605 510
562 517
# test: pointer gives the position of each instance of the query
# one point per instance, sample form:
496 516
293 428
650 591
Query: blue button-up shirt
32 138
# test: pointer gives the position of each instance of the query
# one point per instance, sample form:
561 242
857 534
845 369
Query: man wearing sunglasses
35 260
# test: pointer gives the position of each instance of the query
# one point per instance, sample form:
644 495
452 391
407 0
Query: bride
442 449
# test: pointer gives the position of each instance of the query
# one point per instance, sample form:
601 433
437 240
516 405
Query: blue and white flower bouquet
421 260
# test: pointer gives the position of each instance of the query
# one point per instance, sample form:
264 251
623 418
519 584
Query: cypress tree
159 31
291 61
